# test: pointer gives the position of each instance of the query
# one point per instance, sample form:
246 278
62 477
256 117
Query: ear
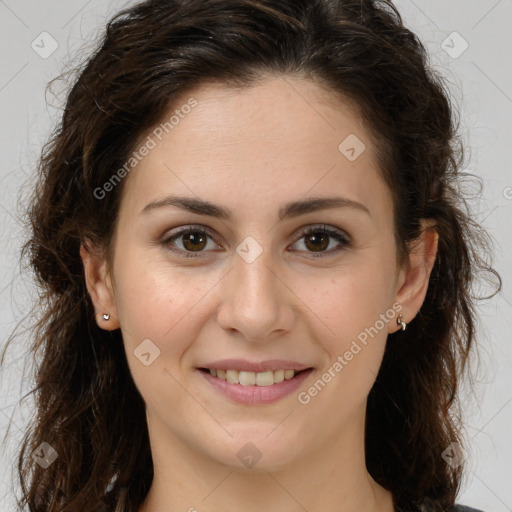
413 281
99 286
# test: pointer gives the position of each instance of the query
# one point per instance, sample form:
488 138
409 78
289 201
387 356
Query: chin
256 452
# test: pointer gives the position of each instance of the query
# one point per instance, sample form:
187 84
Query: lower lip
254 395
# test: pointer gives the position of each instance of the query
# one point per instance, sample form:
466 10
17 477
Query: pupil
194 238
316 238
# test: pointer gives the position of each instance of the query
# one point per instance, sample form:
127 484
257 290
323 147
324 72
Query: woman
256 268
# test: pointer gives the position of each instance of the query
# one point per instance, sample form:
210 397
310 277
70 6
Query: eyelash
334 233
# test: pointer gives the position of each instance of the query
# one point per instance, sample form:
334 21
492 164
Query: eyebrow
288 211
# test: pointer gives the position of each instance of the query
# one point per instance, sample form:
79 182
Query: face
222 260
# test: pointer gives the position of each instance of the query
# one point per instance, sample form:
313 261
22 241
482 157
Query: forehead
272 142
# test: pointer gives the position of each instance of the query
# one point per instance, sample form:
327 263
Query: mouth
248 378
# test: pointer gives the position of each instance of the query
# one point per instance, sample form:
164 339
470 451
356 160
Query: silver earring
400 322
106 316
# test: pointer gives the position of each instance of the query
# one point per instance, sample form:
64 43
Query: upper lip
261 366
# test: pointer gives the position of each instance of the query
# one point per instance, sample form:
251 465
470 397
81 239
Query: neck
331 479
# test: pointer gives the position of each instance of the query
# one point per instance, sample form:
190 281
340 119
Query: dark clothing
430 507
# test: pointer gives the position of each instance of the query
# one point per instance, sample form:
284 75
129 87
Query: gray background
480 79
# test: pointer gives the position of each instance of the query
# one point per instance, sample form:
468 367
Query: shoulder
462 508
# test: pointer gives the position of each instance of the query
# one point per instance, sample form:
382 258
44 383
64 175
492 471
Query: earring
106 316
400 322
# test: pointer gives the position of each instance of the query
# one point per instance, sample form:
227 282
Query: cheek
158 303
161 313
358 313
355 309
348 300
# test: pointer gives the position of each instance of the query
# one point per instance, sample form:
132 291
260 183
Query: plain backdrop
470 43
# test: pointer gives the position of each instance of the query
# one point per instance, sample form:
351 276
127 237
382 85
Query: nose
256 301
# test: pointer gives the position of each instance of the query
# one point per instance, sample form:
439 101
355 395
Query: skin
252 151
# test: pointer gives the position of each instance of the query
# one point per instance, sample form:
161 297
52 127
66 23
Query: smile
246 378
254 388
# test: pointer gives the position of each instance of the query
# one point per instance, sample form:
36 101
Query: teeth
265 378
232 376
288 374
279 376
246 378
253 378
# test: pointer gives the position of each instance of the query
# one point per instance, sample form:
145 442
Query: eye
316 239
194 239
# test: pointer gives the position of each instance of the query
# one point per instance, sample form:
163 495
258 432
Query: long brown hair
88 408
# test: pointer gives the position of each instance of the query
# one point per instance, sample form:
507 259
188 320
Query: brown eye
318 239
193 241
